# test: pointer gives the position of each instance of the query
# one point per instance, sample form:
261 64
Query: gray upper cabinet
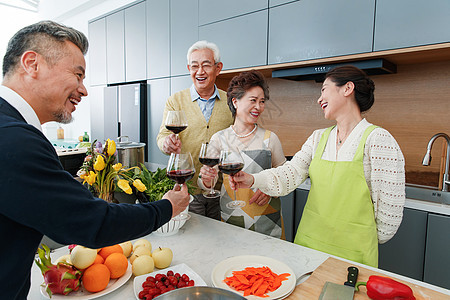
311 29
135 43
242 40
180 83
158 42
437 258
216 10
183 33
115 47
97 52
406 23
159 90
279 2
411 235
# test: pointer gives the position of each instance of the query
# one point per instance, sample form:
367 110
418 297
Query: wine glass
180 169
209 155
176 121
231 162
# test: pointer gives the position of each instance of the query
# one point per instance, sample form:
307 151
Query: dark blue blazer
38 197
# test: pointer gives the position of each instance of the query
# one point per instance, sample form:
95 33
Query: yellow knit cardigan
198 130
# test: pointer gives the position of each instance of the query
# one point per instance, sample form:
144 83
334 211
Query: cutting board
335 270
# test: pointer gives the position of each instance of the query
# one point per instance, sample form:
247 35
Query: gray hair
204 45
46 38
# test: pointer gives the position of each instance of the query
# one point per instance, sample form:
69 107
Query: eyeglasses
206 67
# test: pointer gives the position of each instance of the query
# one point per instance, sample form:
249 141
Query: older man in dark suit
43 71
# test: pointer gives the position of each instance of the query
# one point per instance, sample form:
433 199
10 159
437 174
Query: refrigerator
125 112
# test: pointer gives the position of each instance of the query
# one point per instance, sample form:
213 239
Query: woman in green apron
357 175
260 149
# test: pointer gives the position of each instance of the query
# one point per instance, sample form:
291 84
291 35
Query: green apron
338 217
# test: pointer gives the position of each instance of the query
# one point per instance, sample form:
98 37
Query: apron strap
360 151
266 138
323 142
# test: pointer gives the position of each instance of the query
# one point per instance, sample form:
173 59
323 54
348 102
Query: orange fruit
96 278
106 251
98 260
117 264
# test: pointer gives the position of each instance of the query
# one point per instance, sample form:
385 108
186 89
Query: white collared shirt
25 109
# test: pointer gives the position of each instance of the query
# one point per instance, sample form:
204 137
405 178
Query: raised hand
172 144
259 198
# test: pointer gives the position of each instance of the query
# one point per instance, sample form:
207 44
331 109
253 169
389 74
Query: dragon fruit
71 246
61 278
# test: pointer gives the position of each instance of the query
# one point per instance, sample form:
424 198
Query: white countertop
202 243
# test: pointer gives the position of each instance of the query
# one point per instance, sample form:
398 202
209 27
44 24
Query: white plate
82 294
181 268
226 267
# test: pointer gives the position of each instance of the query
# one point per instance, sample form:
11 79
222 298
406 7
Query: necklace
339 140
244 135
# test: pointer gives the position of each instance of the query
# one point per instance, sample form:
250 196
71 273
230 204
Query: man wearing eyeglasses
207 112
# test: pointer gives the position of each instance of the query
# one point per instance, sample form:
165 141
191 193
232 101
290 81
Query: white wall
11 20
71 13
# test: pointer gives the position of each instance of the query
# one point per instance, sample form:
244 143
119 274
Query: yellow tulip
90 179
111 147
99 163
117 167
124 186
139 185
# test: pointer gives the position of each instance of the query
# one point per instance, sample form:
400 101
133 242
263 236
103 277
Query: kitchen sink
427 194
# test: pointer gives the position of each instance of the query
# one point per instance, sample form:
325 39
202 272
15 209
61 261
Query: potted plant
156 183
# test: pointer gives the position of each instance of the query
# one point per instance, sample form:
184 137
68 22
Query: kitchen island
202 243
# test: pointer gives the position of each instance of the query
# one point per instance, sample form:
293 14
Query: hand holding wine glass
209 156
231 162
179 198
180 169
241 180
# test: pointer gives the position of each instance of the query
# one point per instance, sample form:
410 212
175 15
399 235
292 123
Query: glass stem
234 191
212 186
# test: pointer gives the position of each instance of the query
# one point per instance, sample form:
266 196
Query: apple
162 257
142 265
83 257
127 247
142 243
140 252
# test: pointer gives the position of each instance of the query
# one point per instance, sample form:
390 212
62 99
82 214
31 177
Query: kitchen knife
334 291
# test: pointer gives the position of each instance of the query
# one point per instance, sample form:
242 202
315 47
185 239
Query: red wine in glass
209 156
180 169
176 121
180 176
231 169
231 162
175 129
210 162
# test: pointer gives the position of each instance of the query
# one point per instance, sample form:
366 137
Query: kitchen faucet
427 159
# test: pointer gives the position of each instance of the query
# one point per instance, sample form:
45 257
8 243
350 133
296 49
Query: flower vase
108 197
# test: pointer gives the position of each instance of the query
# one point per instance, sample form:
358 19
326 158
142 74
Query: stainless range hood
371 67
